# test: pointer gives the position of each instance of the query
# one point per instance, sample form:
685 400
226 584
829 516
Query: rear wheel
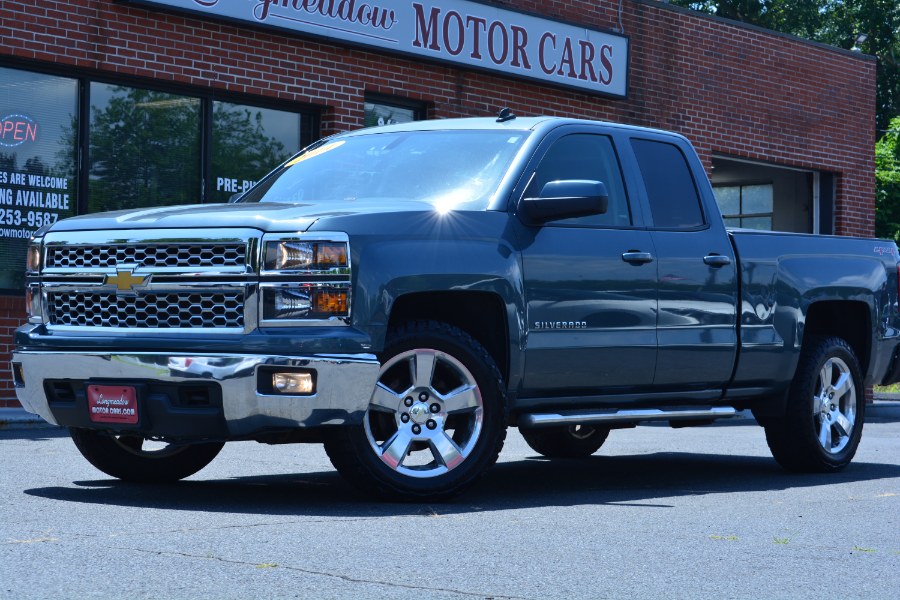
134 458
436 419
566 441
823 423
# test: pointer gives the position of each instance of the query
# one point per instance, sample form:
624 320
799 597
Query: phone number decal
30 218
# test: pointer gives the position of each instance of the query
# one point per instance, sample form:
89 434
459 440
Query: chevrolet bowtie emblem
125 280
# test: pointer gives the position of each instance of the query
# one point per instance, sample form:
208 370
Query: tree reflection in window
144 148
247 143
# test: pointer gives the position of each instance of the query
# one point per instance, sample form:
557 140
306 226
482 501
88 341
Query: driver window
585 156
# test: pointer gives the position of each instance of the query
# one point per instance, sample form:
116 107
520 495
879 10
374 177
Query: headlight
291 255
305 281
306 301
33 304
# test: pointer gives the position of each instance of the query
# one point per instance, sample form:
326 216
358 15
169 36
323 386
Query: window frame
691 162
615 137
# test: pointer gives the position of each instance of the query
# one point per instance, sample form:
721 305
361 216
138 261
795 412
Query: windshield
447 169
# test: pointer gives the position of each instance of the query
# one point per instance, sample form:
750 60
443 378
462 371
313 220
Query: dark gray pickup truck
404 294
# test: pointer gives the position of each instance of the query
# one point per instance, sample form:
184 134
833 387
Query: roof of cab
491 123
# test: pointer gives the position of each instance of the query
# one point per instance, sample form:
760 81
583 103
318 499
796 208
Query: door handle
716 260
637 258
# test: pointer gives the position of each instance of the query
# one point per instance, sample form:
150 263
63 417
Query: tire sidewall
111 457
804 392
561 442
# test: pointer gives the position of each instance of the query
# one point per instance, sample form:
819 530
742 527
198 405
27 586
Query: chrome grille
171 310
147 255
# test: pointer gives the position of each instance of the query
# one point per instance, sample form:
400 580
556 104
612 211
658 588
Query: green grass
894 388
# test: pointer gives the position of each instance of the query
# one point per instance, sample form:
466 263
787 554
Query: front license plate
113 404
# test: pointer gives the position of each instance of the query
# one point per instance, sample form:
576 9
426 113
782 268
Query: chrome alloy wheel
425 414
834 405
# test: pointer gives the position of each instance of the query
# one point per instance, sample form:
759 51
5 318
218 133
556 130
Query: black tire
431 436
826 405
124 456
566 441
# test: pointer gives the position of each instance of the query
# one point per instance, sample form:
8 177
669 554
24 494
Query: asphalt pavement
656 513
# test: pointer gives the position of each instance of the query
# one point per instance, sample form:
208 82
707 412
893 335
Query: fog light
293 383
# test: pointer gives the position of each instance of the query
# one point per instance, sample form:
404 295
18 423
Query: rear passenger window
674 202
585 156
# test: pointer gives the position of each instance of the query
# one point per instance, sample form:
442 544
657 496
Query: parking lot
656 513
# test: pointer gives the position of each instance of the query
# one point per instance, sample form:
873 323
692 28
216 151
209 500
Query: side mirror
235 197
566 199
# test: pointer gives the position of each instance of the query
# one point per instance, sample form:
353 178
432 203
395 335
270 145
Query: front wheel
565 441
436 419
823 423
132 458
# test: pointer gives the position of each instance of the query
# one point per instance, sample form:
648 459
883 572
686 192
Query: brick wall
731 89
12 314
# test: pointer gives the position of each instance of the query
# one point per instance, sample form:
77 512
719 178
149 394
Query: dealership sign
471 34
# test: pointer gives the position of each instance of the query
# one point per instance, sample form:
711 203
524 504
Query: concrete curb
17 418
882 412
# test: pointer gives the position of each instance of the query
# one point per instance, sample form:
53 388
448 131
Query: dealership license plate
113 404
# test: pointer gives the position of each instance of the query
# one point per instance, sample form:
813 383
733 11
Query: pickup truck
405 294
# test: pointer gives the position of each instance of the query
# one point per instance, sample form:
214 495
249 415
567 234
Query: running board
625 416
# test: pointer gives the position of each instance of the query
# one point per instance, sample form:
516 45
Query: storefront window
38 133
144 148
384 112
247 143
747 206
133 148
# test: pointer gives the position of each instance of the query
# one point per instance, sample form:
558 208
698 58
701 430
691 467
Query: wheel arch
483 315
849 320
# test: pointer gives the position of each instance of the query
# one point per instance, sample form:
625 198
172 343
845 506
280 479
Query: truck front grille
147 255
176 310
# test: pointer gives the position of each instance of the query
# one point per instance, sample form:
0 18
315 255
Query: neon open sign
15 130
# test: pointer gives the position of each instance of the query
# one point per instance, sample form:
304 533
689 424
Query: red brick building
108 104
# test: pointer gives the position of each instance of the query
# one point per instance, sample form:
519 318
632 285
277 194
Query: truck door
590 282
696 326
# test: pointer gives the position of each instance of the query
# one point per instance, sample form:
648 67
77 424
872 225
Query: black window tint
585 156
673 198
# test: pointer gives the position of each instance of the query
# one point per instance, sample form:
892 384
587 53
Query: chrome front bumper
344 383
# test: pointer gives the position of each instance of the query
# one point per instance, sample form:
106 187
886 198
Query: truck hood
270 216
